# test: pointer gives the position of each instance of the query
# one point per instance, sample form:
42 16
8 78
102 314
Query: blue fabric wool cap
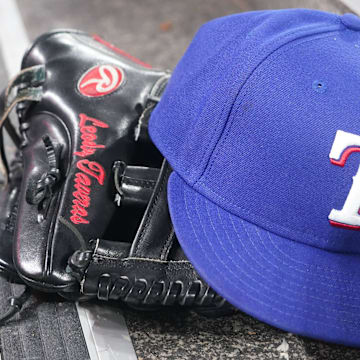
261 123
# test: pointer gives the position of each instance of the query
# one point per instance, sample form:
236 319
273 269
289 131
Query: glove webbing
110 272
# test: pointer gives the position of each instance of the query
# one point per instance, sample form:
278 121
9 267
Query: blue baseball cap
261 124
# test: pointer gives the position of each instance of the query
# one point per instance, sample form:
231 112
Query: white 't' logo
348 217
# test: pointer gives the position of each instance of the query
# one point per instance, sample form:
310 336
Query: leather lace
43 191
142 292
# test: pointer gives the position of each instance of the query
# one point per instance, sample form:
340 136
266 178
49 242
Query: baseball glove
91 209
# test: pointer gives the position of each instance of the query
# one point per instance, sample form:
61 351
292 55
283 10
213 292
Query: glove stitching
114 267
168 244
170 240
144 183
141 259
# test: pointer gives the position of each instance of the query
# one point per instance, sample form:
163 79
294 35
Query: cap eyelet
319 86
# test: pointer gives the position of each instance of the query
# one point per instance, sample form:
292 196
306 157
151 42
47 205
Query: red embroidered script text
88 170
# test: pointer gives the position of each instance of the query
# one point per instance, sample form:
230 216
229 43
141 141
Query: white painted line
354 5
13 37
105 332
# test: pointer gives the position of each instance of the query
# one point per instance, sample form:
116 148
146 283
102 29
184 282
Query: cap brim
296 287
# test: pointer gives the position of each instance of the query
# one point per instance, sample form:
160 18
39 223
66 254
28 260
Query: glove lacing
141 292
43 191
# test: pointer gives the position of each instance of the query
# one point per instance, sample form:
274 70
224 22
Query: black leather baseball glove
86 215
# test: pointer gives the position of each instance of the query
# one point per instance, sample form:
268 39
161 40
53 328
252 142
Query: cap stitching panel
319 268
321 30
282 287
265 260
256 290
278 270
225 278
226 134
316 266
262 284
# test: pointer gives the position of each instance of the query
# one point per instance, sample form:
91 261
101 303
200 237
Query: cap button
351 21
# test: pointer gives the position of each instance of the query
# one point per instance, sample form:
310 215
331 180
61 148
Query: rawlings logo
348 217
101 80
88 169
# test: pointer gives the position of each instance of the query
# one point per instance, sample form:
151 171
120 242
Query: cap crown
250 117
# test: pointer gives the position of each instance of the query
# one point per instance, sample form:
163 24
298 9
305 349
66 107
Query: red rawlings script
89 170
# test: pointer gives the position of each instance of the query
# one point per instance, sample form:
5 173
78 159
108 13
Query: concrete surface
157 31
